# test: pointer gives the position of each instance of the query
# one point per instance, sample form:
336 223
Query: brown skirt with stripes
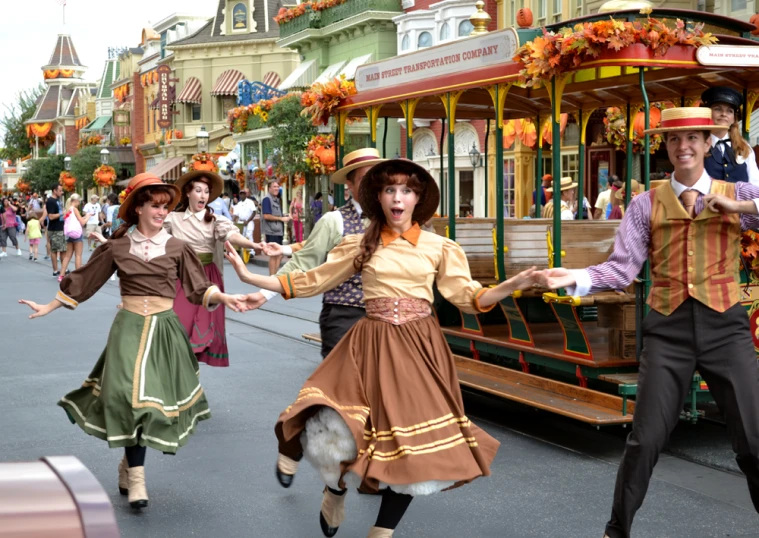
386 406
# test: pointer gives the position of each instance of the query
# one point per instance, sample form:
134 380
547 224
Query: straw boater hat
566 184
356 159
217 184
373 181
140 181
635 189
685 119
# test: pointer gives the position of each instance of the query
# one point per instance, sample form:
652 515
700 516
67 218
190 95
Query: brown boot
332 513
123 478
138 494
379 532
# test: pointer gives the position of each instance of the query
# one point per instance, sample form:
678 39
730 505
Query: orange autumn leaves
324 97
557 52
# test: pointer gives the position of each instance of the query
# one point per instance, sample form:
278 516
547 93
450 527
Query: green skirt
144 389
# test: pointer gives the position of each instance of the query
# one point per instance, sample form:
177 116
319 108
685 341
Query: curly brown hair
156 194
368 195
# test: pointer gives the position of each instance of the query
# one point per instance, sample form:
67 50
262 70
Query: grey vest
350 292
272 227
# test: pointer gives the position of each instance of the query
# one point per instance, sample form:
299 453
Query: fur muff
326 442
418 489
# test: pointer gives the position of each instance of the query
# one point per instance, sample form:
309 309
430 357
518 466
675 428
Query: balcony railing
320 19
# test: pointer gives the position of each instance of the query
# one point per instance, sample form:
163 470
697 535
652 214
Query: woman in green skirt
144 390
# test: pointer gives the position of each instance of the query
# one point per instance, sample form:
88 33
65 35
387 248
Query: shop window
578 8
509 181
542 10
445 32
738 5
557 7
226 103
465 28
424 40
513 13
570 165
405 42
195 112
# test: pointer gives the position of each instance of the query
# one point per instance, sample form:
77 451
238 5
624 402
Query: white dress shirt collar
199 215
158 239
703 185
357 206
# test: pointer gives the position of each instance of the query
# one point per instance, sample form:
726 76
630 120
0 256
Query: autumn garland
750 251
286 15
615 123
238 118
554 54
315 152
324 97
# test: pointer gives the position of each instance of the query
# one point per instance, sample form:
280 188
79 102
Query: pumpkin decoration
23 186
755 21
67 181
204 162
524 17
179 135
104 175
327 156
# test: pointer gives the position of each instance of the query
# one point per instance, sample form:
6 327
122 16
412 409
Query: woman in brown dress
385 406
144 389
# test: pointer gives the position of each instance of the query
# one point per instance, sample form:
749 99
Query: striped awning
226 84
191 93
272 79
154 104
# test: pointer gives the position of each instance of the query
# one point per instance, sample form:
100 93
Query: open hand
39 309
554 279
272 249
97 237
719 203
234 258
522 281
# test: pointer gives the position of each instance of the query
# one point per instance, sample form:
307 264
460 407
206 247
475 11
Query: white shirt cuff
582 283
269 295
287 250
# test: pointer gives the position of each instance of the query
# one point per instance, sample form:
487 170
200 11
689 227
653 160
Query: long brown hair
184 203
740 146
369 197
155 194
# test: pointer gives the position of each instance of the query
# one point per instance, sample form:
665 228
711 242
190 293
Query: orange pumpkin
639 123
327 156
524 17
755 21
178 135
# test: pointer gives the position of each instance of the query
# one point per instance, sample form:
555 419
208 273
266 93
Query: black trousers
720 346
334 322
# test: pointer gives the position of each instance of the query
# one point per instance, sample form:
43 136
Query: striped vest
693 257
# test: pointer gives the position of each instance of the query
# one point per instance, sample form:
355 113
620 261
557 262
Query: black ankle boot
285 480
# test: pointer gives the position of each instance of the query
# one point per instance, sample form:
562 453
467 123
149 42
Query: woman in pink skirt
194 223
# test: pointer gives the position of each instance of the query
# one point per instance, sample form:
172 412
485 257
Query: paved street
551 478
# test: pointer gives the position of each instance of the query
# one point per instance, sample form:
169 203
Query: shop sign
728 55
121 117
164 104
456 57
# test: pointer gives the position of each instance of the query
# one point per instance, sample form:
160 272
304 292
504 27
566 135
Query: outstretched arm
522 281
270 283
41 309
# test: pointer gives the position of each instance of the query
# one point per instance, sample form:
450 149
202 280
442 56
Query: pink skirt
205 329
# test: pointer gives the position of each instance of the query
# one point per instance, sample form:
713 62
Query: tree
83 164
15 142
42 174
290 134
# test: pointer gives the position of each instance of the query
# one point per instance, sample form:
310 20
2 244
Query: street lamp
105 156
184 170
202 137
67 163
474 156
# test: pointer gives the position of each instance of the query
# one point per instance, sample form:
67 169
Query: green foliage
291 132
42 174
15 144
83 164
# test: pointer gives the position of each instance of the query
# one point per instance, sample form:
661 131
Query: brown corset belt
397 310
146 305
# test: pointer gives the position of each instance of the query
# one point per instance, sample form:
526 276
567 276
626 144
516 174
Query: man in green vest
689 229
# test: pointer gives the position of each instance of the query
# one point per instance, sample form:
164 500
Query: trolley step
585 405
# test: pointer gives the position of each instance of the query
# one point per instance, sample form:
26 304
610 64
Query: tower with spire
61 108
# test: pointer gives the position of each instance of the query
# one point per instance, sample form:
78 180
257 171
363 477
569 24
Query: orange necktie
688 199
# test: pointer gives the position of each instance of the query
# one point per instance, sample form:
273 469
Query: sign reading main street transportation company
463 55
728 55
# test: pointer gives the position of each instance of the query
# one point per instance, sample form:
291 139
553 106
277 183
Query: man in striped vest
690 231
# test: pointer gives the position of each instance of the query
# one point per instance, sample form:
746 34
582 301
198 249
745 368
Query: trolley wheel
245 255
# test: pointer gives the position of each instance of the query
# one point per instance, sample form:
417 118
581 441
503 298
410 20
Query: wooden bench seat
592 407
476 239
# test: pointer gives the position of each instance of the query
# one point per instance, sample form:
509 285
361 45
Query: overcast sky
30 30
